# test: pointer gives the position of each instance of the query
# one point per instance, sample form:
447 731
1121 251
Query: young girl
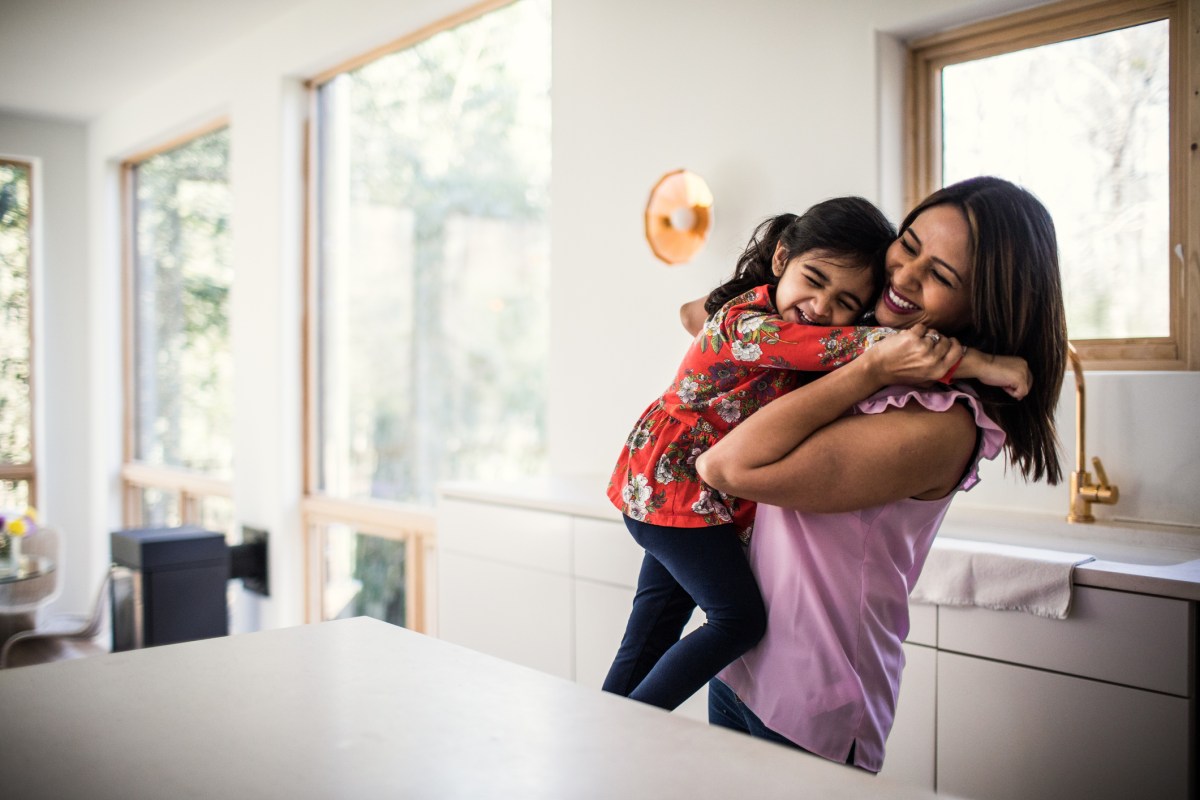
789 308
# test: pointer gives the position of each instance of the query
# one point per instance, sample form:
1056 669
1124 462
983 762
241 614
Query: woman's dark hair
844 226
1017 309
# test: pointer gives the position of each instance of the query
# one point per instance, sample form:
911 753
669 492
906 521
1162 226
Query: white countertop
1144 558
362 709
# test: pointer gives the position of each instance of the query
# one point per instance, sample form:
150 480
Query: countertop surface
359 708
1147 559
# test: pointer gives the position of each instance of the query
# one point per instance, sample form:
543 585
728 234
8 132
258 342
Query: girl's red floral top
745 357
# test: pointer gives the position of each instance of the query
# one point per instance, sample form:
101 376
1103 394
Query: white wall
57 152
776 103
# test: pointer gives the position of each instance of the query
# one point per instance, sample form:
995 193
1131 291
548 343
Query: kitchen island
361 709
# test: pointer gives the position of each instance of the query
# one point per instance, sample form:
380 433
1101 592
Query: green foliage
15 332
183 280
435 349
379 566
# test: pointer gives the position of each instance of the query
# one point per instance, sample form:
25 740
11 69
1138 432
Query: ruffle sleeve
991 436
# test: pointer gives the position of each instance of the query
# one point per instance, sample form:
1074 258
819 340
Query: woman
858 472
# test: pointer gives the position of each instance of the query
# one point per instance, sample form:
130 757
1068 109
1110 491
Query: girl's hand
1009 373
913 356
692 315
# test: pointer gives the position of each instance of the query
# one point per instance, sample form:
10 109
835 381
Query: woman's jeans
726 710
684 568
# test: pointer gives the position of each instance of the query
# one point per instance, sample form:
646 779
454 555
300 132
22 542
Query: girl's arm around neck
801 452
692 315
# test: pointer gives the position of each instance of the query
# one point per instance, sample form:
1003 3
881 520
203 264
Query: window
18 476
179 451
428 283
1082 103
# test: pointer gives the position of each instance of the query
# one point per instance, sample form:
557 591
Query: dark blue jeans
726 710
684 568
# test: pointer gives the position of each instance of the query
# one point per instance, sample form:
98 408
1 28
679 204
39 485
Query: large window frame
190 489
1059 22
27 472
411 524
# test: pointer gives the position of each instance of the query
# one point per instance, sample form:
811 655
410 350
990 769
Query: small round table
25 567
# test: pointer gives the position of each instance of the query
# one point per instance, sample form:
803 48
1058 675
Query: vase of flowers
15 526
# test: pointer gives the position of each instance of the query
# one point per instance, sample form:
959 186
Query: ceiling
74 59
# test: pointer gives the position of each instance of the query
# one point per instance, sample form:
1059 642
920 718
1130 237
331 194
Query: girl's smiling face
818 287
929 270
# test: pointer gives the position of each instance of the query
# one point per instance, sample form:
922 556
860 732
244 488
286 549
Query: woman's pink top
827 673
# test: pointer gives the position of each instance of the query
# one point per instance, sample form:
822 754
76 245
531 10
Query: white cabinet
518 614
545 589
911 744
1098 705
992 705
600 615
504 584
1007 732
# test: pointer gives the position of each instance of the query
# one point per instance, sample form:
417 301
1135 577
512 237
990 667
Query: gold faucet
1083 491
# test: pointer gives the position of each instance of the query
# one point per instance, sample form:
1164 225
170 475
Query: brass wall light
678 216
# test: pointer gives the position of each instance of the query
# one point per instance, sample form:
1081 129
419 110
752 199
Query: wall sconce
678 216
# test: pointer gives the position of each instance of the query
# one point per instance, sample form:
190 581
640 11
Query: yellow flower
19 526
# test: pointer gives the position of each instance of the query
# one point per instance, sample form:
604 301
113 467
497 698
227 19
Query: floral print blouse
745 357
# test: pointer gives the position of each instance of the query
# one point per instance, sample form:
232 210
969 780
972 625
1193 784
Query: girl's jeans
684 568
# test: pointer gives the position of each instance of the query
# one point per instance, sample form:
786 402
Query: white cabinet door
909 757
518 614
600 615
601 612
1006 732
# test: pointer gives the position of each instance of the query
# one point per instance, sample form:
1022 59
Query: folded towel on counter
959 572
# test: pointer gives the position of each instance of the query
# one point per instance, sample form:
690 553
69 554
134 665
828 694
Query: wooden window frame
1180 350
398 521
191 487
28 471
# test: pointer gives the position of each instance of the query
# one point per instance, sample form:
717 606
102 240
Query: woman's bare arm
801 452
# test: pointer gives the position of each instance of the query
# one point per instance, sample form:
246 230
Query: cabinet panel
922 628
1131 639
521 615
604 551
601 612
600 615
910 745
516 536
1006 732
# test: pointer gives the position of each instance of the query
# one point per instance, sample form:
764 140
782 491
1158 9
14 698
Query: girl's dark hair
843 226
1017 309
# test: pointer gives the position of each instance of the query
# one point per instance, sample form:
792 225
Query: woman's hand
913 356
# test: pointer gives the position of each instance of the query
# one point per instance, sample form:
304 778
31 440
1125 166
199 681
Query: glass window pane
216 514
160 508
14 495
1084 125
15 331
365 576
183 275
433 272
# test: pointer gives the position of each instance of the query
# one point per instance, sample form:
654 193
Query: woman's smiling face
930 273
